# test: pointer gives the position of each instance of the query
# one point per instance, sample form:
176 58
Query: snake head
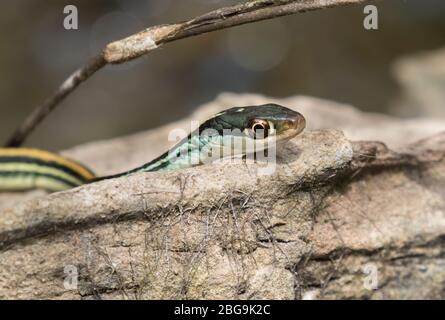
259 126
259 122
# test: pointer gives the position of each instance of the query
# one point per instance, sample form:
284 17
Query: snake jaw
290 127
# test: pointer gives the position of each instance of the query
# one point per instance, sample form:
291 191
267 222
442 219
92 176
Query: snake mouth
298 123
291 127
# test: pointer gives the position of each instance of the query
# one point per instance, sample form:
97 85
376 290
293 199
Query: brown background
327 54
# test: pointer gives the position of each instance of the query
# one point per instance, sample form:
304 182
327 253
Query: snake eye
258 128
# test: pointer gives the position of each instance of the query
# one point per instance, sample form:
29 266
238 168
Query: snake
234 132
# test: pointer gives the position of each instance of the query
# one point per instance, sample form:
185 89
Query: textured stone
331 211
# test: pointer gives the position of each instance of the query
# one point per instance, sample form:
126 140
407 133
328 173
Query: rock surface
335 219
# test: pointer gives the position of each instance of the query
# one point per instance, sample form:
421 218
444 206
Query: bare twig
150 39
41 111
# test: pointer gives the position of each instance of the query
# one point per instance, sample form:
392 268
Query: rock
336 219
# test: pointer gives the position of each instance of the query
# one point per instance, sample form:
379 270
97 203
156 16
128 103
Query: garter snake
233 132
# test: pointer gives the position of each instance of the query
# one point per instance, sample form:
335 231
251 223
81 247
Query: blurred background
398 69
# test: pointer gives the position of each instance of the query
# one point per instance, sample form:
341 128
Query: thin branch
41 111
152 38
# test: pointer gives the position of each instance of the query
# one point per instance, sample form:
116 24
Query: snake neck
189 152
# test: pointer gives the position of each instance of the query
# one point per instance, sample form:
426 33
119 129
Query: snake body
234 132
